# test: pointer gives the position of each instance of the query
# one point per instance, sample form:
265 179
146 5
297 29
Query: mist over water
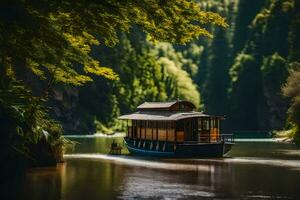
251 170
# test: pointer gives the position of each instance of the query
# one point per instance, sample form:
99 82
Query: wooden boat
173 129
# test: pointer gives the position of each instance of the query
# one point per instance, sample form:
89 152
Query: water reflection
141 162
176 186
41 181
90 180
251 171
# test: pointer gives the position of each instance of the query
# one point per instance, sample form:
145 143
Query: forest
241 73
67 69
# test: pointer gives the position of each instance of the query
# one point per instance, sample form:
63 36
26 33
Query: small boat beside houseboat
174 129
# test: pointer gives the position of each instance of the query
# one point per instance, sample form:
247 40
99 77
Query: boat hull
182 150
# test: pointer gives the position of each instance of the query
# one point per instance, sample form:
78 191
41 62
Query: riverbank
117 134
285 136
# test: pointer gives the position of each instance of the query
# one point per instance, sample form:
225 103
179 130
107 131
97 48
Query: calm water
252 170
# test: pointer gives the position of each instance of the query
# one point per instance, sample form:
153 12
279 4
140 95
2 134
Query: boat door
204 130
191 129
194 122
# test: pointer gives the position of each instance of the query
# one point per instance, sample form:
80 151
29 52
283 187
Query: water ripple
186 164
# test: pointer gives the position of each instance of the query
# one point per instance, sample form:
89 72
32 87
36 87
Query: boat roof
165 116
163 105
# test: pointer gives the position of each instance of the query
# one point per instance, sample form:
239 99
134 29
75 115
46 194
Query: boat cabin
174 122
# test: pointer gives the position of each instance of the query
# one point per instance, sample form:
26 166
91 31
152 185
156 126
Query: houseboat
174 129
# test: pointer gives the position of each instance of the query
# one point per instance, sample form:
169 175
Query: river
259 169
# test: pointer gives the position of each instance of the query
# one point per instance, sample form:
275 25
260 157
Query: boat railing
208 138
227 138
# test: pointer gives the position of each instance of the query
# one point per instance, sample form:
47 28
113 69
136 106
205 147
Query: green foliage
245 92
292 91
274 73
246 11
152 73
118 126
175 67
68 31
179 82
147 71
264 45
141 77
239 73
294 34
217 82
28 131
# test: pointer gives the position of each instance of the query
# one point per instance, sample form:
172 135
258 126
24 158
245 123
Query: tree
274 73
245 93
246 11
267 43
292 91
294 34
292 87
215 93
49 37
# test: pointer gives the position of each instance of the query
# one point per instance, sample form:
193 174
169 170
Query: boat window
206 124
143 124
212 123
199 124
179 125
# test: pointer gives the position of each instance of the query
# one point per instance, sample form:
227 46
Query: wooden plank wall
180 136
163 134
166 133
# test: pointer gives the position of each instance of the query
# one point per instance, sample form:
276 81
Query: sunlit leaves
82 42
180 82
238 67
62 34
94 68
292 91
35 68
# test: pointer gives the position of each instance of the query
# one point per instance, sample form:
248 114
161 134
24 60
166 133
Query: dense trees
146 73
239 72
67 31
245 93
256 99
292 90
246 11
217 80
